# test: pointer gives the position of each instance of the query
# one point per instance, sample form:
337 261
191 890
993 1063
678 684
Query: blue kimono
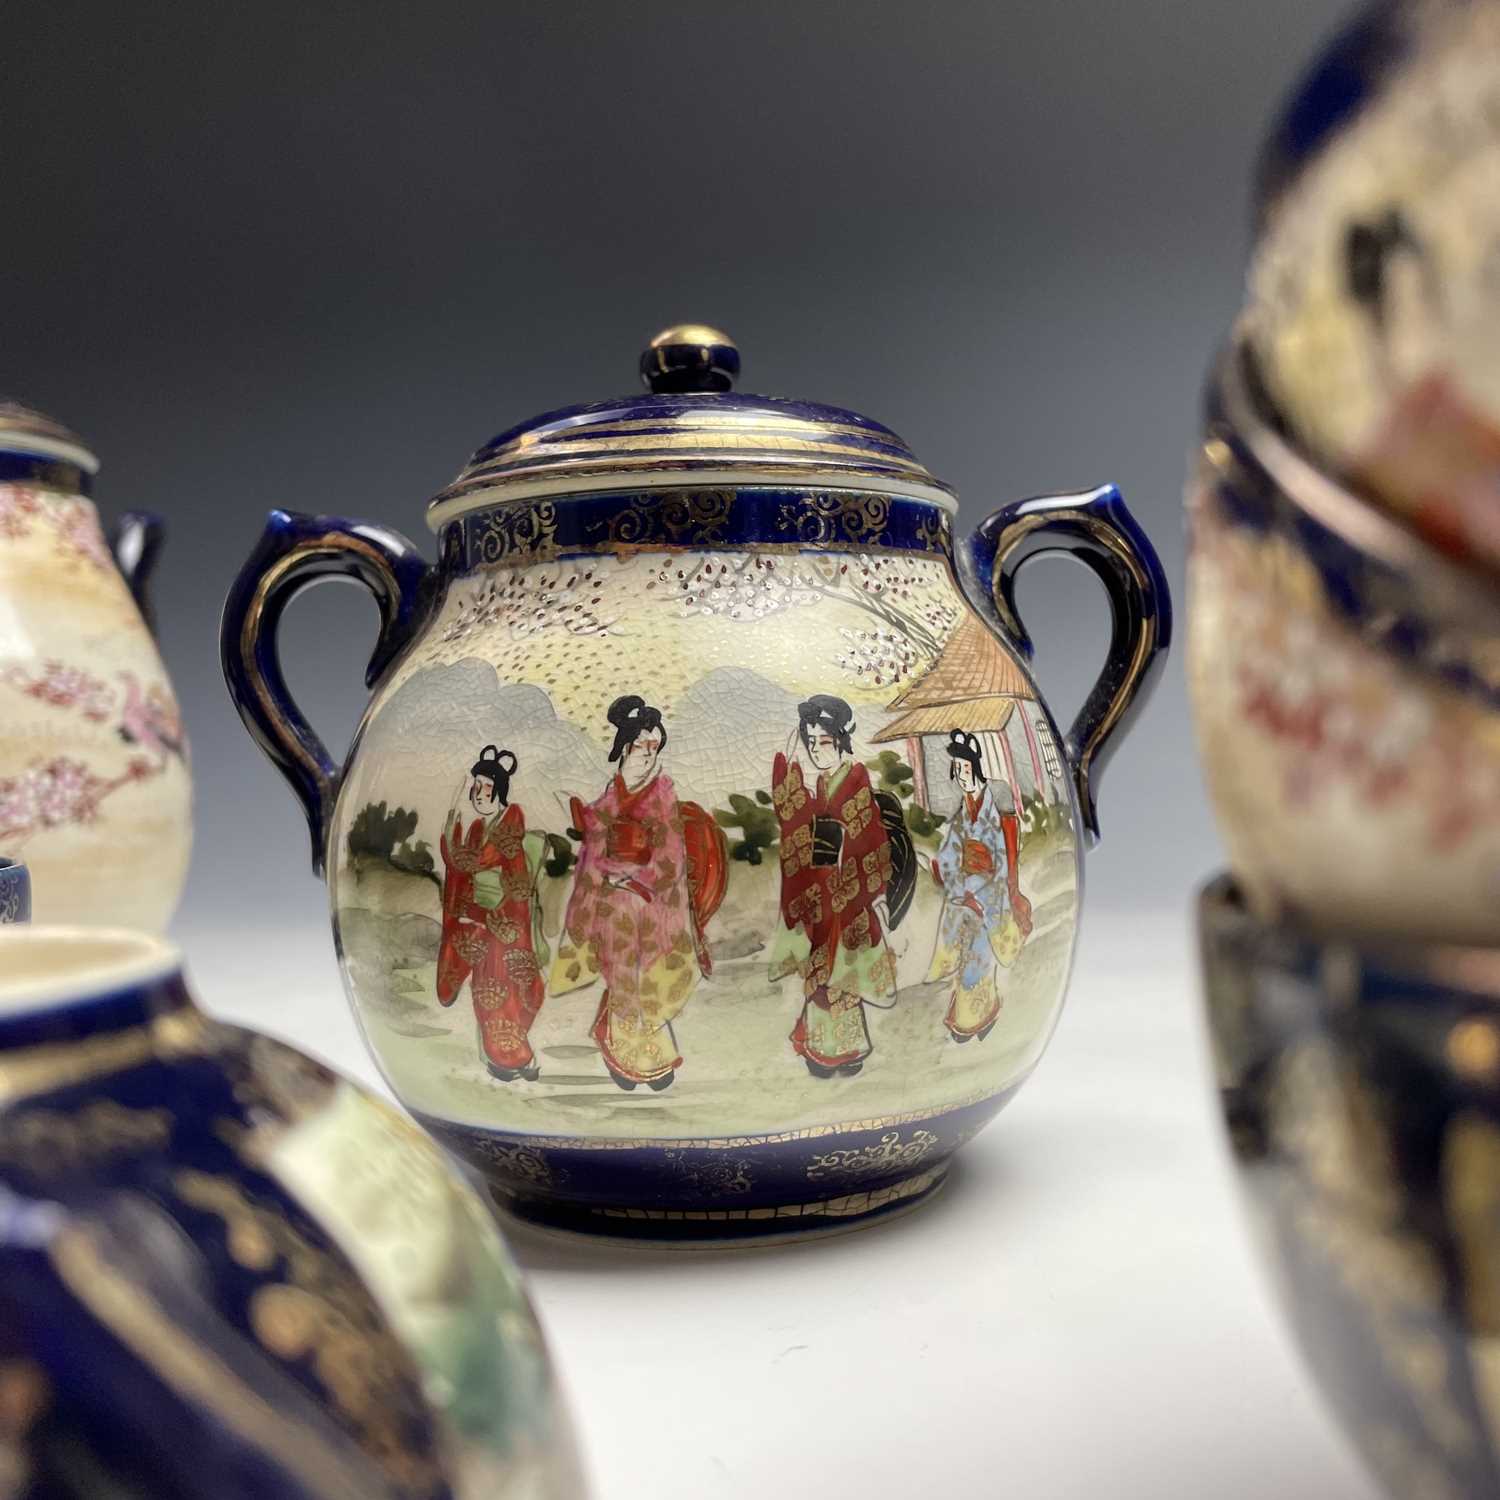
978 929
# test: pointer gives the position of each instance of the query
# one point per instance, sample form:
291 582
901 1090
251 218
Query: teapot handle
1095 527
294 552
135 541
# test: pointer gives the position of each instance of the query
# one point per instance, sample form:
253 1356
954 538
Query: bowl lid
692 423
23 430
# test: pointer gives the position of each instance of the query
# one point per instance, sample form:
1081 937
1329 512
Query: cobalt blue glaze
598 420
725 1189
45 473
136 541
1333 90
15 892
1099 531
1358 1086
128 1304
521 530
295 551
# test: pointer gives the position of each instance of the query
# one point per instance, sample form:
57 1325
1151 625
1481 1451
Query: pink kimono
631 917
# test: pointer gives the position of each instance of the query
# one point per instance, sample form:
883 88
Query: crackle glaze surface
220 1257
95 793
592 966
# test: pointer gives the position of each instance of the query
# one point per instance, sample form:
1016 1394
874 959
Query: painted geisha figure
985 917
492 934
651 873
847 871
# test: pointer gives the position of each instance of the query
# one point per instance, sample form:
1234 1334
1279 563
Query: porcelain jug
706 864
227 1271
94 783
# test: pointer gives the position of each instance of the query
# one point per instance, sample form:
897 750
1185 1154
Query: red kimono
491 947
835 864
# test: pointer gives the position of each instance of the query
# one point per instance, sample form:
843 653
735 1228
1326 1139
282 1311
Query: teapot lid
23 430
693 427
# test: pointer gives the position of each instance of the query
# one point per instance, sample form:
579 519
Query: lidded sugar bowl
95 791
706 864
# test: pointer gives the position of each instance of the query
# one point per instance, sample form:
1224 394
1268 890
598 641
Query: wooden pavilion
973 685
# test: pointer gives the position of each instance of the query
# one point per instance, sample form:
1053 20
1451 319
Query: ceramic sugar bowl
95 793
706 864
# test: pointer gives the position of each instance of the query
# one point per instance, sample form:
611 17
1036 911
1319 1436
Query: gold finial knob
690 357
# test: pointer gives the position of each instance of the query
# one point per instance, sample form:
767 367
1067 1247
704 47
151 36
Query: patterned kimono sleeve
864 870
794 812
950 854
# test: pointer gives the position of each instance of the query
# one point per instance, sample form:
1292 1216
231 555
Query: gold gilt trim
190 1369
696 517
721 1142
530 530
845 1207
47 1140
709 420
1146 640
57 1065
676 520
330 544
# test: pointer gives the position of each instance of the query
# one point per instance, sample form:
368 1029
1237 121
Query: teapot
95 790
706 864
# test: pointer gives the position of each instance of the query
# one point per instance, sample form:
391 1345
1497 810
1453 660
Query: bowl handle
294 552
136 542
1095 527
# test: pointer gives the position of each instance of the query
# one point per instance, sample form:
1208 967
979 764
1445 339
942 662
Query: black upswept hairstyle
964 746
492 762
824 711
632 717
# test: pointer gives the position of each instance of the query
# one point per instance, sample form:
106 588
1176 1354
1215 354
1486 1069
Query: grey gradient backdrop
311 256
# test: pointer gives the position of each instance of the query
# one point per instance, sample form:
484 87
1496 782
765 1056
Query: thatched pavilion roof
973 685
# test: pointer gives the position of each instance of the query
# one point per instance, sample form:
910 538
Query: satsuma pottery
1361 1087
706 864
1374 301
94 784
226 1271
1345 681
15 891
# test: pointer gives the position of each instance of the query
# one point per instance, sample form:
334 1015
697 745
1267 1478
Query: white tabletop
1079 1313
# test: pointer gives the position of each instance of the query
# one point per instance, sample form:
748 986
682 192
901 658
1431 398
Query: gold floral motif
1345 1205
506 841
719 1175
1471 1191
47 1140
854 518
319 1310
891 1154
469 943
935 533
526 530
502 1032
696 516
514 1161
797 849
504 928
